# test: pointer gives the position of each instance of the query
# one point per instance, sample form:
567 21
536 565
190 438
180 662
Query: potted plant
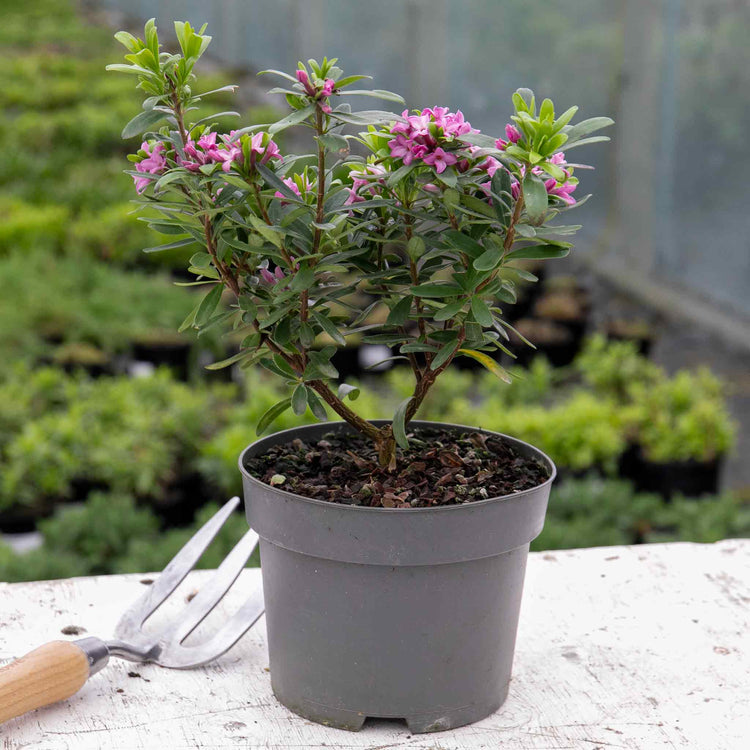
680 431
393 552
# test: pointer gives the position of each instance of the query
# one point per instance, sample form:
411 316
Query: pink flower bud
512 133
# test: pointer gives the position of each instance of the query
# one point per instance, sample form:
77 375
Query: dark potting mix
439 468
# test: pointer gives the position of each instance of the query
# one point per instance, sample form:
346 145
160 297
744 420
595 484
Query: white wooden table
620 647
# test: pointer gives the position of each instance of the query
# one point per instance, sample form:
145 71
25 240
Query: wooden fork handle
48 674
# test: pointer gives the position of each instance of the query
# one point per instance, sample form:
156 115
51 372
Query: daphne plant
420 212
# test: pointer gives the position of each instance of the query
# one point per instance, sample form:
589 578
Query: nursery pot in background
392 613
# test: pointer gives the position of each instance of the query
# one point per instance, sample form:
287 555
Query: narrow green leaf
450 311
275 411
334 142
208 305
535 198
445 353
303 279
539 252
487 362
142 122
399 423
294 118
316 406
399 314
170 245
464 243
299 400
489 259
329 327
229 360
436 290
481 312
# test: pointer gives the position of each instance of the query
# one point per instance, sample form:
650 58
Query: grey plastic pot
391 613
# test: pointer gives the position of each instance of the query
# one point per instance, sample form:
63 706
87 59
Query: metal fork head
165 647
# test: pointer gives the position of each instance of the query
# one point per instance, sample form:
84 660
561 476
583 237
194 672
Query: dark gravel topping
440 467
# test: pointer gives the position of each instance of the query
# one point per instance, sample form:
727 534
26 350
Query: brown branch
429 376
360 424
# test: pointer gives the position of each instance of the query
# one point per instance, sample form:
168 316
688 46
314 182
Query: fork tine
211 592
128 628
183 657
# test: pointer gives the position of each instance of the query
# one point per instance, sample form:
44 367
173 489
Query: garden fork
59 669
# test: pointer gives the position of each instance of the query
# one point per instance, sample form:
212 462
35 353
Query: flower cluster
369 179
423 135
229 150
320 93
154 162
560 189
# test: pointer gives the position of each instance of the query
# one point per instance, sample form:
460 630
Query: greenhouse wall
669 207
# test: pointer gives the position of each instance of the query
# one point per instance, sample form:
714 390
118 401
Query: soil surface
439 468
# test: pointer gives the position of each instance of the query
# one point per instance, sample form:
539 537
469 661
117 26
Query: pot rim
379 510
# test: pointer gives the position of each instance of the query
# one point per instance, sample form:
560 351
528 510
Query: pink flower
154 163
272 278
439 159
456 125
400 148
328 87
368 179
292 185
561 191
512 133
489 165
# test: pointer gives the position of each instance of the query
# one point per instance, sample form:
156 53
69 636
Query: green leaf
334 142
208 305
489 259
535 198
450 311
306 334
170 245
329 327
299 400
388 96
275 411
229 360
400 174
316 406
503 197
445 353
303 279
399 423
539 252
348 391
399 314
294 118
463 242
487 362
436 290
142 122
415 248
583 128
587 141
267 232
481 312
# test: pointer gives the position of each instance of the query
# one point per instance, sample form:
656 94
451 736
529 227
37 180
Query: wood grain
47 674
642 648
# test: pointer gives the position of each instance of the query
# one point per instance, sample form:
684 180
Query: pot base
353 721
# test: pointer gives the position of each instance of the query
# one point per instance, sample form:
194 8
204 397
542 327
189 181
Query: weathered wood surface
622 647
